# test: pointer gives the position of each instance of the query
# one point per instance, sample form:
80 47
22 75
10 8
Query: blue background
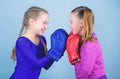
107 26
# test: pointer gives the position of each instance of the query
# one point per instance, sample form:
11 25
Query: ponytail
88 24
45 47
13 52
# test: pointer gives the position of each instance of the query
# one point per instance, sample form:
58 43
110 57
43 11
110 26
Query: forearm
47 66
45 62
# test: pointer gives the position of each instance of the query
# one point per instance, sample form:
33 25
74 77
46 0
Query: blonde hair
32 12
87 15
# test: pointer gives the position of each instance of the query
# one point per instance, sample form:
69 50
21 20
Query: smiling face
40 24
76 24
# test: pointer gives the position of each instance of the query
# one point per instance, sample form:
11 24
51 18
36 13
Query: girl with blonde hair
30 51
90 64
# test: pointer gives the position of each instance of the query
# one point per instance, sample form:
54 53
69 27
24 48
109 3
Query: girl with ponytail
28 66
91 64
30 51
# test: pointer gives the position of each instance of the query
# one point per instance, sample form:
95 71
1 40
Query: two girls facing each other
82 45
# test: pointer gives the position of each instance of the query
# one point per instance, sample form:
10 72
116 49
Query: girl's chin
75 32
41 33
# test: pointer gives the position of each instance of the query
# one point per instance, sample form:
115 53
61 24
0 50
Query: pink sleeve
88 57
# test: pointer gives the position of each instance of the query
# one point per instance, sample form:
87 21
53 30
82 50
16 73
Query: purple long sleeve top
30 59
91 65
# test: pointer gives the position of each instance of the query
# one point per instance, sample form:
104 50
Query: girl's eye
45 23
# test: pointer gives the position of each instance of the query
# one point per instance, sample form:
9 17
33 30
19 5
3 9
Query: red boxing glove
72 47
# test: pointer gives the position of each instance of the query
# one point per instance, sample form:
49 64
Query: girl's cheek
75 29
37 29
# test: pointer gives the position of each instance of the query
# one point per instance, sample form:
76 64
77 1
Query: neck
30 33
82 36
32 36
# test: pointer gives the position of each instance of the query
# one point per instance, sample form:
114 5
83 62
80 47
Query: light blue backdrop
107 26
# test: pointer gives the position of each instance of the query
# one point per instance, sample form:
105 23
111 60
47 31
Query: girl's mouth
42 30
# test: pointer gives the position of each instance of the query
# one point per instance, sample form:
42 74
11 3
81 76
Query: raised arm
48 65
23 47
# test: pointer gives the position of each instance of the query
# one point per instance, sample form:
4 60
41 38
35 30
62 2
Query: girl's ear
81 22
31 21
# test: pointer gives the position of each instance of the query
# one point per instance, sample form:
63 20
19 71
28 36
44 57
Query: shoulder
93 42
92 47
89 46
22 41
